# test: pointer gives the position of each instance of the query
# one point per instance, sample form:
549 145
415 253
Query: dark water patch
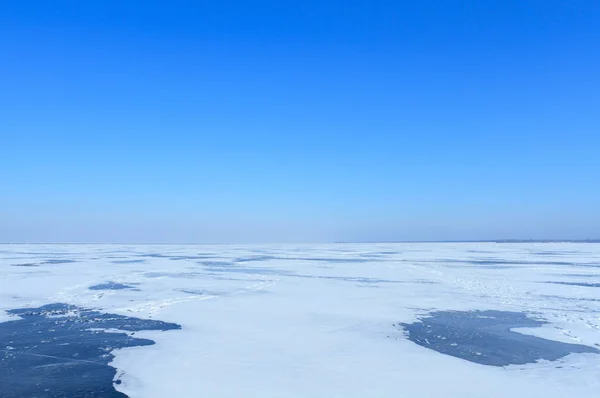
262 251
189 257
490 262
582 275
285 273
213 272
557 253
424 282
584 284
354 279
326 259
216 263
377 255
511 262
58 261
570 298
32 272
316 259
485 337
127 261
60 350
176 257
110 286
26 265
113 251
235 268
587 265
465 266
42 254
365 280
372 255
45 262
196 292
324 266
253 258
348 279
154 255
228 267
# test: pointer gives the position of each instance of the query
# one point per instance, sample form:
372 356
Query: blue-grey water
110 286
60 351
485 337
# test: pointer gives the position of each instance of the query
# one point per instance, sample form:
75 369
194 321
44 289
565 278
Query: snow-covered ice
322 320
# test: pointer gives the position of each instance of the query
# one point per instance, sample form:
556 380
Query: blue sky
256 121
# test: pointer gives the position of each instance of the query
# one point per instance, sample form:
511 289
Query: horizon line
589 240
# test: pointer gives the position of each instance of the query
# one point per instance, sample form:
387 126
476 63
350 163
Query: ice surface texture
300 320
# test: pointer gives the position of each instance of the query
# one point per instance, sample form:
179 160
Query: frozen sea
337 320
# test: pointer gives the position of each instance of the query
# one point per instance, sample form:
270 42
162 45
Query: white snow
287 323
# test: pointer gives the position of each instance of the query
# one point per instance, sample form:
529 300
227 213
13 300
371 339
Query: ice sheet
320 320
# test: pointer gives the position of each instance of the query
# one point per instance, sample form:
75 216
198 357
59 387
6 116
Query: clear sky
255 121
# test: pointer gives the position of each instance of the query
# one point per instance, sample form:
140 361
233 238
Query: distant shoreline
489 241
316 243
